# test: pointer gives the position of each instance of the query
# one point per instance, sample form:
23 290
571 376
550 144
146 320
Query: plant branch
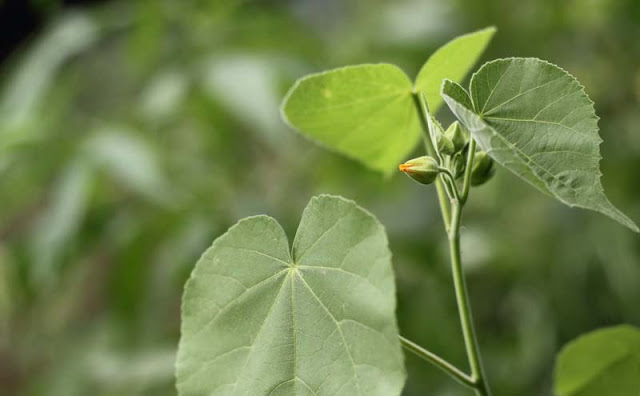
464 308
451 214
439 362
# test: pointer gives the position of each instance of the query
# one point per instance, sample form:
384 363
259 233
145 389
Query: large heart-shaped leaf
365 112
536 120
451 61
604 362
259 320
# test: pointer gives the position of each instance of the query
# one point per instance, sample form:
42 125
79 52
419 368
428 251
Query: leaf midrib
520 94
530 160
253 343
337 324
291 276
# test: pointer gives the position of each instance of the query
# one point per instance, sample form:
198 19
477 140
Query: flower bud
482 169
422 169
458 162
445 146
442 143
457 136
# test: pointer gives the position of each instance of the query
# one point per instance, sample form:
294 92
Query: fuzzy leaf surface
259 319
536 120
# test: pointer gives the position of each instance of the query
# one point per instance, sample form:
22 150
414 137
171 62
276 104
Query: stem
451 215
439 362
464 308
444 205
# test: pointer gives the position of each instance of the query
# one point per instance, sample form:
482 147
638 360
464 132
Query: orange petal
405 167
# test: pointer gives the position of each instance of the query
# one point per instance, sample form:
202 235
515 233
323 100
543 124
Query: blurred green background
133 133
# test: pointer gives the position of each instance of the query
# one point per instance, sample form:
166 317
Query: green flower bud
458 162
442 143
482 169
445 146
422 169
457 136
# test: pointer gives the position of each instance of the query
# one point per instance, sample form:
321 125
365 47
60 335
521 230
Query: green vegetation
133 134
321 321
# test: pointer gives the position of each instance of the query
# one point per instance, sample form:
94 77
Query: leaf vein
346 345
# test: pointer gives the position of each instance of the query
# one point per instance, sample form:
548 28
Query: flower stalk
452 215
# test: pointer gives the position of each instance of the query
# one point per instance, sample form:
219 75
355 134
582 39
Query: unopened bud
422 169
457 136
482 169
445 146
458 162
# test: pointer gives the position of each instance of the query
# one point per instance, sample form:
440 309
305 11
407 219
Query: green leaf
365 112
259 320
536 120
451 61
604 362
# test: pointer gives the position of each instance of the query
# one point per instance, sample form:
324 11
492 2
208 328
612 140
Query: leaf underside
258 319
365 112
452 61
604 362
536 120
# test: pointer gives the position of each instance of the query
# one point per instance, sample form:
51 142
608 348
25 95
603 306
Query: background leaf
365 112
257 320
604 362
452 61
536 120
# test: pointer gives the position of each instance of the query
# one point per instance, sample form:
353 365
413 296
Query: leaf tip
490 29
444 85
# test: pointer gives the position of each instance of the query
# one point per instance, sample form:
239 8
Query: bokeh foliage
134 133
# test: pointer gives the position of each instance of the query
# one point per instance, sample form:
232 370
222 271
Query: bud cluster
452 148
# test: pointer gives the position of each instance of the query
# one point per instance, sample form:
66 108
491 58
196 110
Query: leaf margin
291 270
608 209
486 35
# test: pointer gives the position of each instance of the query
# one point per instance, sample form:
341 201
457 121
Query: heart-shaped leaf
604 362
365 112
451 61
536 120
259 320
